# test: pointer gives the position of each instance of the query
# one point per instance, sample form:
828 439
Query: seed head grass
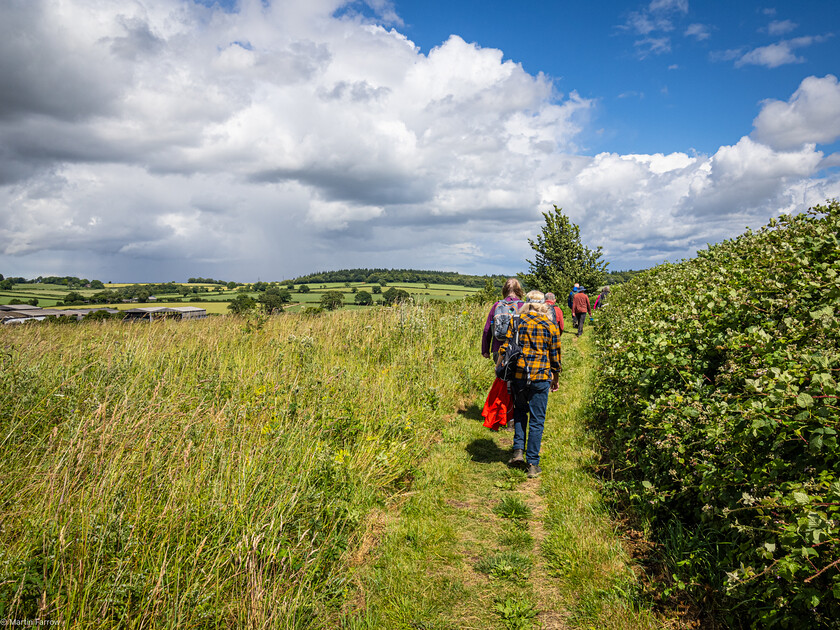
211 473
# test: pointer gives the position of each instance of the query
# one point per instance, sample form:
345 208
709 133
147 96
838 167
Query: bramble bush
717 406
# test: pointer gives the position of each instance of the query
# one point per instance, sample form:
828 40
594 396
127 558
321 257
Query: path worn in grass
449 556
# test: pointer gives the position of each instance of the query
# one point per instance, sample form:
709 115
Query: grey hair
535 303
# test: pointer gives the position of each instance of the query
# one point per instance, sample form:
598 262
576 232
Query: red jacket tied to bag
498 409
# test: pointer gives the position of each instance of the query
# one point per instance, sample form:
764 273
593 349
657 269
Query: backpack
504 313
506 367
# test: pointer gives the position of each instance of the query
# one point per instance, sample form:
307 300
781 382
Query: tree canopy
562 259
242 303
332 300
385 276
395 296
364 298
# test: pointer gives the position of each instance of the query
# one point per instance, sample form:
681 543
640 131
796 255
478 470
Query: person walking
537 373
490 344
601 300
551 301
581 307
572 296
491 341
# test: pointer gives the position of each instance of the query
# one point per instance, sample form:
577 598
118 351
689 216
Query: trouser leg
520 415
537 403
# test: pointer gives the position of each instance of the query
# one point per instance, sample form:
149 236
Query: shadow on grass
486 451
473 412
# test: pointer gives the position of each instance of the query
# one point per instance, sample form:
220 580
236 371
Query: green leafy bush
717 404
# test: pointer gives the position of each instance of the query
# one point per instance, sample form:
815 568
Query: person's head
577 286
512 287
550 298
534 303
581 290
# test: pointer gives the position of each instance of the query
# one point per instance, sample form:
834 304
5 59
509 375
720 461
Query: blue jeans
532 402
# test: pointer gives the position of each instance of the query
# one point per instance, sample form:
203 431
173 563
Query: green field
215 302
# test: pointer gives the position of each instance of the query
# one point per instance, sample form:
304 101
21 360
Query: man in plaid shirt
540 341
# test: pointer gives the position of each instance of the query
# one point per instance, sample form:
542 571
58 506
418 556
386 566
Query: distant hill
400 275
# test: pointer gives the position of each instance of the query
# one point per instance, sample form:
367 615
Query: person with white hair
537 373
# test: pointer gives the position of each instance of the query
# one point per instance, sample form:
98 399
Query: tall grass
212 473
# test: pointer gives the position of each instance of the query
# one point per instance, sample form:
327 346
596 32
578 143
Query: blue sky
673 88
242 139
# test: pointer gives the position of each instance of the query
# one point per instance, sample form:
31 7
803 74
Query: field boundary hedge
717 404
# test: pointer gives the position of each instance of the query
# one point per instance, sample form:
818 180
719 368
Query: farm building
22 313
150 313
18 307
18 313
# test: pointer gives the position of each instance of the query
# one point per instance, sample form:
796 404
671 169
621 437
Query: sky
157 140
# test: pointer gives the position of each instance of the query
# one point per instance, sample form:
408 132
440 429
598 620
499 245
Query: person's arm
555 359
487 335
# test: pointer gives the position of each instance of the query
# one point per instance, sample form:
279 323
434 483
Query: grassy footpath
477 545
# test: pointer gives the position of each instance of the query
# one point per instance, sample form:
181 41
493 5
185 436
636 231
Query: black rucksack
506 368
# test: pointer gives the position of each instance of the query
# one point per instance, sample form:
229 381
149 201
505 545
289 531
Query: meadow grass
214 473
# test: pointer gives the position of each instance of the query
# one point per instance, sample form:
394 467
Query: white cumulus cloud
811 115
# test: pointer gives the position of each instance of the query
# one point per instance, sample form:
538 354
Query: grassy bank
216 473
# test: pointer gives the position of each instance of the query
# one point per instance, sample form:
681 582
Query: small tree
562 260
241 304
395 296
363 298
272 300
304 288
332 300
376 289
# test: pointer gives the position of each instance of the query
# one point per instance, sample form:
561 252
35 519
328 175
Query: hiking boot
517 459
534 470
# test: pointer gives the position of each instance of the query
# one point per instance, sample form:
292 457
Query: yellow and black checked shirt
540 341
